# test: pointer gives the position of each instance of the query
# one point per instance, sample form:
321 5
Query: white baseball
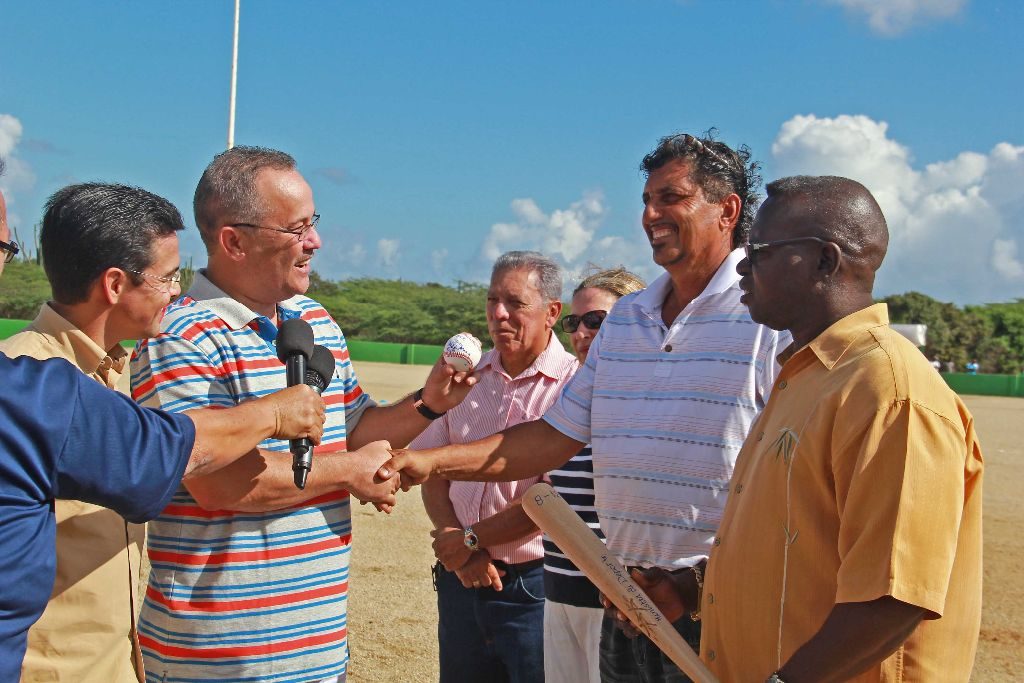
462 352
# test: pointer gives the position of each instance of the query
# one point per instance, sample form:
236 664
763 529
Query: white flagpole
234 82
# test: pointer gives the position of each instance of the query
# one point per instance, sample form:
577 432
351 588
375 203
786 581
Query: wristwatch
422 408
470 539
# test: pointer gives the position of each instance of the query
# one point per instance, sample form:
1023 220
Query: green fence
427 354
9 327
985 385
375 352
387 352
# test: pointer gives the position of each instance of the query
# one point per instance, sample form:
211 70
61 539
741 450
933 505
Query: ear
554 313
829 259
113 283
732 208
233 242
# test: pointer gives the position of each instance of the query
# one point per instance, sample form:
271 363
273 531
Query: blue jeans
484 635
638 660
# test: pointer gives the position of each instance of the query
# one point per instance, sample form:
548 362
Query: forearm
526 450
398 424
854 637
509 525
223 436
262 480
438 505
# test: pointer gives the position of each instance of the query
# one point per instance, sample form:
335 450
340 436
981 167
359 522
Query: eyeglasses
11 248
754 248
169 280
299 232
592 319
702 148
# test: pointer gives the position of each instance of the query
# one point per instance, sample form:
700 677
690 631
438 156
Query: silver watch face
471 540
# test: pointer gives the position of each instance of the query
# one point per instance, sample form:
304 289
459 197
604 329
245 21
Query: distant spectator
973 367
950 366
937 364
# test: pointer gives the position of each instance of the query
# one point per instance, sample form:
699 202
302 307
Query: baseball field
393 614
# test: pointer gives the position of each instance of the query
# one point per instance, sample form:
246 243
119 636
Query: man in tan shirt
850 547
111 255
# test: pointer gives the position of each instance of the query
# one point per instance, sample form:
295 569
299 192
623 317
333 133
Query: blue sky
436 135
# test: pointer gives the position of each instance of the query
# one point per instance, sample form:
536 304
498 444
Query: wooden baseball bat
554 516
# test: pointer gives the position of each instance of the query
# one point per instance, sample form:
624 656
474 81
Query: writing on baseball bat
640 610
540 498
578 542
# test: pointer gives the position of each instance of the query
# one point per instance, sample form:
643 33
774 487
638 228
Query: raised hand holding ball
462 352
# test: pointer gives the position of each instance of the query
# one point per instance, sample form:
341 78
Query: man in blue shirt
62 435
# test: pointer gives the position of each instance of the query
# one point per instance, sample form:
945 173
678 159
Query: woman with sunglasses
572 609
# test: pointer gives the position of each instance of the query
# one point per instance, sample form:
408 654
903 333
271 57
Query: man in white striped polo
671 386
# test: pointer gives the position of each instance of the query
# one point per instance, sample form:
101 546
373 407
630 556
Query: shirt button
760 436
718 541
711 655
711 599
668 348
739 488
782 384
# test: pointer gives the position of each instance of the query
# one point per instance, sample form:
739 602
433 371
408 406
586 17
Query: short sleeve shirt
87 628
496 402
861 479
243 595
666 409
65 436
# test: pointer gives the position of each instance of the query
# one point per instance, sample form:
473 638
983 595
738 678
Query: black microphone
294 347
319 373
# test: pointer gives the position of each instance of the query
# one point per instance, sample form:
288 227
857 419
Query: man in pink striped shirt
490 571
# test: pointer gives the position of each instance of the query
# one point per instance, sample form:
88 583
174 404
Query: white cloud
954 225
10 134
564 233
570 236
892 17
387 252
1005 261
19 176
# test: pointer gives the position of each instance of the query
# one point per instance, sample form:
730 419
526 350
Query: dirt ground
393 613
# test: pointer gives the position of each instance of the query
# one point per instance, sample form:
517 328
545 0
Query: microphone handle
302 449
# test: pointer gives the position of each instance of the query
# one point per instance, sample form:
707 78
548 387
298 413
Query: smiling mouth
661 233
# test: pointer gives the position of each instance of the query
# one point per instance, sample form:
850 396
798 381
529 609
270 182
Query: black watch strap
421 407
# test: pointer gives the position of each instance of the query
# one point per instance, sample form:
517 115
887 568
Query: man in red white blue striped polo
249 574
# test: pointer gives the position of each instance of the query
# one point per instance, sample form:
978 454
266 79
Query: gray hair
227 190
548 272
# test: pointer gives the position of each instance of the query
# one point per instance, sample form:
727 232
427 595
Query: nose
743 267
650 213
312 241
500 312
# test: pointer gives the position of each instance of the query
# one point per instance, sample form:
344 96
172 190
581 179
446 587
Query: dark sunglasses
754 248
11 250
592 319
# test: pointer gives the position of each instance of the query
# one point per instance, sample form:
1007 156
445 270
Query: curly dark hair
717 168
